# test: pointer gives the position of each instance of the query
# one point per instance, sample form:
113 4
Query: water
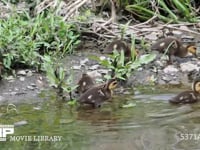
151 124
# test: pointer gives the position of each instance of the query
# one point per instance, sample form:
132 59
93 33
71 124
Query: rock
10 79
94 67
33 85
37 108
166 78
22 78
20 123
176 32
21 73
152 36
29 73
94 74
188 67
170 69
84 61
103 71
102 57
76 67
30 87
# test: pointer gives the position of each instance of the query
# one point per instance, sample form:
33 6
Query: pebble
167 79
188 67
29 73
21 72
20 123
94 74
170 69
94 67
30 87
76 67
22 78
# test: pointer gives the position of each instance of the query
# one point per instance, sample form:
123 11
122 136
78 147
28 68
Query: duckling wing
185 97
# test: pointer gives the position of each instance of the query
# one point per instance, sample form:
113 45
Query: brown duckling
96 95
172 46
120 45
191 96
85 83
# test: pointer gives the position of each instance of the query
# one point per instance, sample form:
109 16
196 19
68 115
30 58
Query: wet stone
188 67
21 73
20 123
30 87
170 69
22 78
166 78
29 73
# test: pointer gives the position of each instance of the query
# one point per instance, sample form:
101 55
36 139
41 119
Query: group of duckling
95 95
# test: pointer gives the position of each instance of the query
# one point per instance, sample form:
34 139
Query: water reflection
152 124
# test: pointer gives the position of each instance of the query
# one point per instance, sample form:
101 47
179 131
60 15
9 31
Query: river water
149 123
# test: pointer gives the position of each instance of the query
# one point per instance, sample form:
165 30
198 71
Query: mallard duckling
191 96
172 46
85 83
96 95
118 45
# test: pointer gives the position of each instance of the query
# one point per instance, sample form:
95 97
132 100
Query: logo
4 130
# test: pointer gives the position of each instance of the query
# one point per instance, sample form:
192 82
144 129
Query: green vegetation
165 10
121 68
56 76
168 11
24 40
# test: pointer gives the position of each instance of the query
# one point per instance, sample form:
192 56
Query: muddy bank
27 86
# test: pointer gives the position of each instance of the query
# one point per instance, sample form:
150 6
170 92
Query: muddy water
151 124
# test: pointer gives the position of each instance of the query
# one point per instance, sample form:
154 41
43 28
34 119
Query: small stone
22 78
16 89
167 79
13 93
170 69
102 57
20 123
94 74
10 79
94 67
21 72
84 61
76 67
188 67
37 108
30 87
103 71
33 84
29 73
176 32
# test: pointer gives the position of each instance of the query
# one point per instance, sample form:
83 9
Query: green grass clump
24 40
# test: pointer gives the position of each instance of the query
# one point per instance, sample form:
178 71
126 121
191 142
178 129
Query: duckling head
112 84
196 85
192 50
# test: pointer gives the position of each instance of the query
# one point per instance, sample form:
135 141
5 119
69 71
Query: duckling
191 96
118 45
172 46
96 95
85 83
